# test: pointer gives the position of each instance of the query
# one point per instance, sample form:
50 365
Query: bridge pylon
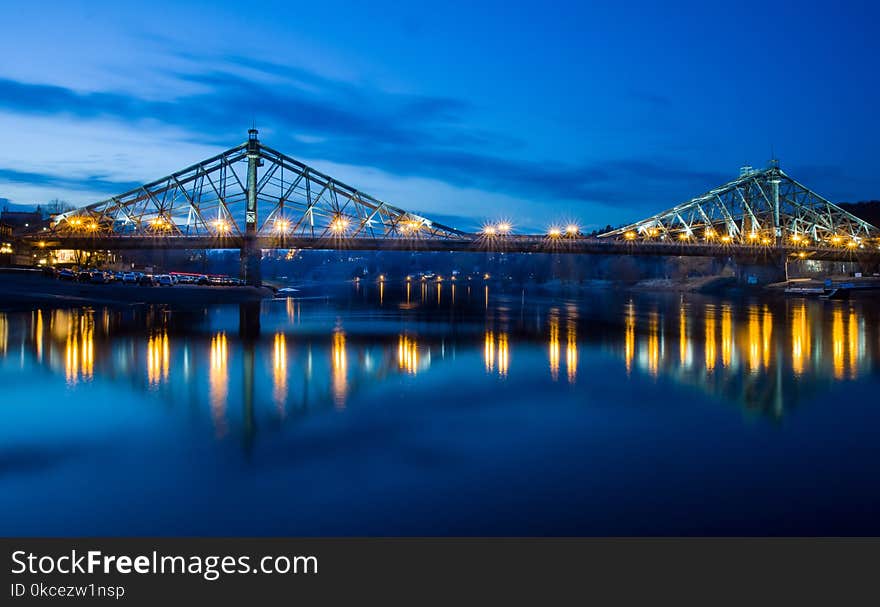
764 209
248 197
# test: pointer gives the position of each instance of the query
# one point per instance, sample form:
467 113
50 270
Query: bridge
253 198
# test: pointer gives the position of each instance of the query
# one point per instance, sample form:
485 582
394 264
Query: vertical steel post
774 182
250 253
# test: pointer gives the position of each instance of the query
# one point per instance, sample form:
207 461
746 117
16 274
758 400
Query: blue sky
465 111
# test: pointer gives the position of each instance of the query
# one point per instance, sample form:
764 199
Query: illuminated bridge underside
761 207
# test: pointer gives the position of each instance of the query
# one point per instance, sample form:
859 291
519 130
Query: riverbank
26 288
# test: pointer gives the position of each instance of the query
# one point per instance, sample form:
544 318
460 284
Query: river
442 409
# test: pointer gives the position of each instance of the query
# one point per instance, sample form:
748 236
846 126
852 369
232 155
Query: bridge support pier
756 271
250 257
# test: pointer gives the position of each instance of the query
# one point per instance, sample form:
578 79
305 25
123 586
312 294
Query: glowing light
554 344
221 226
504 228
571 351
852 244
554 232
572 229
4 333
339 378
765 241
158 359
38 334
407 355
489 351
753 236
727 350
836 239
854 344
92 227
281 225
710 352
709 233
218 380
490 230
684 345
503 355
412 225
838 342
79 354
766 334
339 225
629 348
486 276
796 237
801 341
630 235
726 238
683 236
653 344
755 342
279 372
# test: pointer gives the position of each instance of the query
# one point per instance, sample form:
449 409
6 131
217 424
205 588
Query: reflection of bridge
761 356
252 197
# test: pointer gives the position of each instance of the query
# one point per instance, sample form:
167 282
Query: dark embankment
24 288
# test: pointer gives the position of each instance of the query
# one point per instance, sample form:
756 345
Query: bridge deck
471 244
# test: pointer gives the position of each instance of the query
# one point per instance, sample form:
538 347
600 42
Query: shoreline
25 288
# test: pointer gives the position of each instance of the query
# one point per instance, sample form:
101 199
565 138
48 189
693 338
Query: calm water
441 409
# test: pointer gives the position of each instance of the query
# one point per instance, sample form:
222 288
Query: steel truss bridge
252 197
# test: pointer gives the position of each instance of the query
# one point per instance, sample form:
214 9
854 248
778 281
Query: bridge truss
759 208
212 200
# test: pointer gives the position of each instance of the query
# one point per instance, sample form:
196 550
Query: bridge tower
250 252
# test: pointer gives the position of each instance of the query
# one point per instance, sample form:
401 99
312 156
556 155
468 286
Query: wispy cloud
324 118
92 183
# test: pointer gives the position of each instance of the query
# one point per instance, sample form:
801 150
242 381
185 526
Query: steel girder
209 199
760 208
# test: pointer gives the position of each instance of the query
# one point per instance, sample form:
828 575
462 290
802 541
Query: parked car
202 280
129 278
164 280
66 274
146 280
98 277
84 275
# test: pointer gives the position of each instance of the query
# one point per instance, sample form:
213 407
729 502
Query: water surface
438 409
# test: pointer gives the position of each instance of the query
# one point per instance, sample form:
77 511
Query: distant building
5 244
20 221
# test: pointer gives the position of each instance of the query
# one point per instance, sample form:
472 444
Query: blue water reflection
442 408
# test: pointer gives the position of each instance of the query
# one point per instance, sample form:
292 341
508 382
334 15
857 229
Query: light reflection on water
798 337
357 351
